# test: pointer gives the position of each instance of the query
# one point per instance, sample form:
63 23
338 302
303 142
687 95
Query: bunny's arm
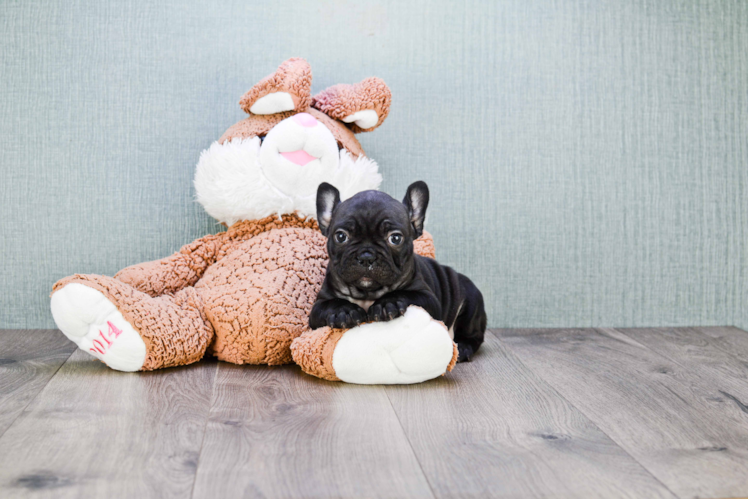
171 274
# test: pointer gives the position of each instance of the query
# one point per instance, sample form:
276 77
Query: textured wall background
588 160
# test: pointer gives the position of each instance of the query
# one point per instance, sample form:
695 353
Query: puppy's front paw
346 317
386 309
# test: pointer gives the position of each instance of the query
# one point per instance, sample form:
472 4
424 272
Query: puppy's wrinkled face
369 241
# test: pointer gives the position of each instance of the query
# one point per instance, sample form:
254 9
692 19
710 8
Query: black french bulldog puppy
374 275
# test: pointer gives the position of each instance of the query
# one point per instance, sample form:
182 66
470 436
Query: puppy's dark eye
340 237
395 239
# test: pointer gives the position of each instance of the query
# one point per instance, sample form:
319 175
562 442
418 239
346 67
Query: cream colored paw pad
90 320
406 350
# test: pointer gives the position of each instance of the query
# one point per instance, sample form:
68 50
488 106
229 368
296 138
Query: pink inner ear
305 119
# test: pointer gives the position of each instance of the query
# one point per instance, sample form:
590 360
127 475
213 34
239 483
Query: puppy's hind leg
470 325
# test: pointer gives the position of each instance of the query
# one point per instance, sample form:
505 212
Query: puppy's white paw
406 350
90 320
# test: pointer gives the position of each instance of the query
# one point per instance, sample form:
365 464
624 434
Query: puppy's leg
336 313
470 325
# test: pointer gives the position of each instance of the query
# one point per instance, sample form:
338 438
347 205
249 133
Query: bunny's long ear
364 106
288 89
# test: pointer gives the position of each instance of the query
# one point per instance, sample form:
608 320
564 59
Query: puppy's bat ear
416 201
328 197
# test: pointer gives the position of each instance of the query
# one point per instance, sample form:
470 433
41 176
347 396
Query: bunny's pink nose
305 119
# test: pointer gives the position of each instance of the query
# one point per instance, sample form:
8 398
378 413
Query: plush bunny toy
245 294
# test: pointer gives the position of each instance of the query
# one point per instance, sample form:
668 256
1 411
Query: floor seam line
205 429
37 394
415 455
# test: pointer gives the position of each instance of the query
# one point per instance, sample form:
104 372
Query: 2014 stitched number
103 342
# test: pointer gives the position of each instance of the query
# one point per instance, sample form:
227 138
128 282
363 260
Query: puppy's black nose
366 258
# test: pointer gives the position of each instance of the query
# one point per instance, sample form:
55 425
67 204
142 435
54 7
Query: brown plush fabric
169 275
173 327
186 266
253 126
293 76
343 100
313 351
249 290
425 245
455 355
258 299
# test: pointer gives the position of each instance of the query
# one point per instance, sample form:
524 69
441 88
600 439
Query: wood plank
728 338
492 428
702 355
95 432
276 432
28 359
675 424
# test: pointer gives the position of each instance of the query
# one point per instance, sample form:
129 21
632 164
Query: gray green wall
588 160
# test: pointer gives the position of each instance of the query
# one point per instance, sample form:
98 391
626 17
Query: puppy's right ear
328 197
416 201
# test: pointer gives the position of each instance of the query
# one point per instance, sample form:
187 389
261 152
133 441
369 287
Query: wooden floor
537 413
